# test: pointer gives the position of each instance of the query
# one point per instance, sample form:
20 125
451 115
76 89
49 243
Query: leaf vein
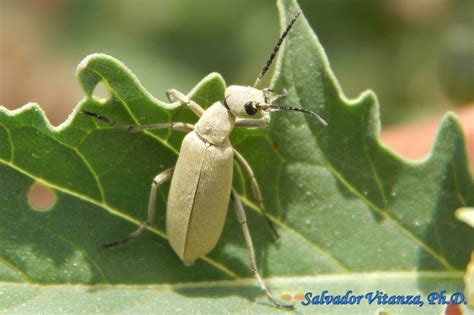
73 245
250 281
125 104
10 143
11 266
286 227
456 184
373 206
374 172
214 263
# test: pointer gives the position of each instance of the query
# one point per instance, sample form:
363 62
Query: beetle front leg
276 97
272 98
254 123
179 126
157 181
174 95
248 240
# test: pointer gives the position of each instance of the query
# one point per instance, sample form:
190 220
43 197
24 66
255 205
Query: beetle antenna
275 49
277 108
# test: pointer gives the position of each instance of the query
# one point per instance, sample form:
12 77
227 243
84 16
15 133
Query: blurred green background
417 55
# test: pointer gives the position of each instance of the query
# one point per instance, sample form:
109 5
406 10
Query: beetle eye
250 109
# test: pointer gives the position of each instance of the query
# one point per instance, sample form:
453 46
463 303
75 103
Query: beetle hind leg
253 264
257 194
157 181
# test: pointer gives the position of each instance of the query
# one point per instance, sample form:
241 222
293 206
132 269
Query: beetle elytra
201 181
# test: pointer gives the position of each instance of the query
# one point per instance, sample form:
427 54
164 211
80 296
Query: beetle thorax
216 124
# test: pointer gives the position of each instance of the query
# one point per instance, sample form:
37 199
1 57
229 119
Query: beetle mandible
201 181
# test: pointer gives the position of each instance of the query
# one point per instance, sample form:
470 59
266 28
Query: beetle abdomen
198 197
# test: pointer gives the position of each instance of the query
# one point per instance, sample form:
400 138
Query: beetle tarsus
272 299
275 234
239 209
124 241
114 244
110 122
278 303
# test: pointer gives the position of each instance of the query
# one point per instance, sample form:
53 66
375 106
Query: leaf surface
352 214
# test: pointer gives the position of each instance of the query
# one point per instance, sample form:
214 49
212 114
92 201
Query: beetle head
242 101
246 101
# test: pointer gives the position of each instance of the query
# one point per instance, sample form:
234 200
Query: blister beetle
201 181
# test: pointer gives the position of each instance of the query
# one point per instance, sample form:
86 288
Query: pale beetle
201 181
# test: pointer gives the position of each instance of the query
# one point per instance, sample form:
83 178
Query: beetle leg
270 99
174 95
248 240
265 120
276 97
134 128
179 126
254 123
157 181
255 190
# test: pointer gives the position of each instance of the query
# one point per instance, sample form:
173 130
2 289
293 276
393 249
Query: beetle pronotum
201 181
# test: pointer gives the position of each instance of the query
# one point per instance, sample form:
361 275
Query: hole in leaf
41 197
101 93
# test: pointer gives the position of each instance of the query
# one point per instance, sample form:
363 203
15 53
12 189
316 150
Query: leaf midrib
273 281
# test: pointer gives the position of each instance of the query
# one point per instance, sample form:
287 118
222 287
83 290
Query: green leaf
352 215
